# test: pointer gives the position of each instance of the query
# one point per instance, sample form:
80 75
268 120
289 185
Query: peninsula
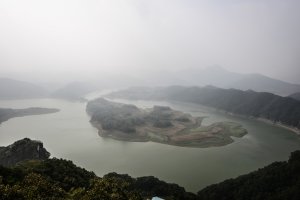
7 113
158 124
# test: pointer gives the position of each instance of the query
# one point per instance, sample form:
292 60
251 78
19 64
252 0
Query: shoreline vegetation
159 124
7 113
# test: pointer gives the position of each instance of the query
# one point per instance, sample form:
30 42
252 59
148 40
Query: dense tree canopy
53 179
280 180
60 179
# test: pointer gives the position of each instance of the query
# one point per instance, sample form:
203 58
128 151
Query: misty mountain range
216 76
74 90
222 78
13 89
295 96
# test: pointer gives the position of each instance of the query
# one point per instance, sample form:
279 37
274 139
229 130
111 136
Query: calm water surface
68 134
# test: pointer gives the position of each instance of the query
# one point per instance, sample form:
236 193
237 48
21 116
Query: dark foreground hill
61 179
279 180
277 109
22 150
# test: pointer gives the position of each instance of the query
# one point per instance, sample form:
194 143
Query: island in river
158 124
7 113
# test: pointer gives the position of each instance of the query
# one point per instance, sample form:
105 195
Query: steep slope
13 89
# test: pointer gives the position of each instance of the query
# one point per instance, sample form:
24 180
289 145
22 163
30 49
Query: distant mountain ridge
220 77
74 90
14 89
213 75
277 109
295 96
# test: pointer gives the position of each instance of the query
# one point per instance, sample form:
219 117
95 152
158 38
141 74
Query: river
68 134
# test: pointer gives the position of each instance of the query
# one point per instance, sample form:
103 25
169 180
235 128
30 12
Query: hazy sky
39 37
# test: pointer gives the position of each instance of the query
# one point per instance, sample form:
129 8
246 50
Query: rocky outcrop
22 150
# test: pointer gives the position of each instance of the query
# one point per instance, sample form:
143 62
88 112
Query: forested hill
278 181
249 103
21 150
61 179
